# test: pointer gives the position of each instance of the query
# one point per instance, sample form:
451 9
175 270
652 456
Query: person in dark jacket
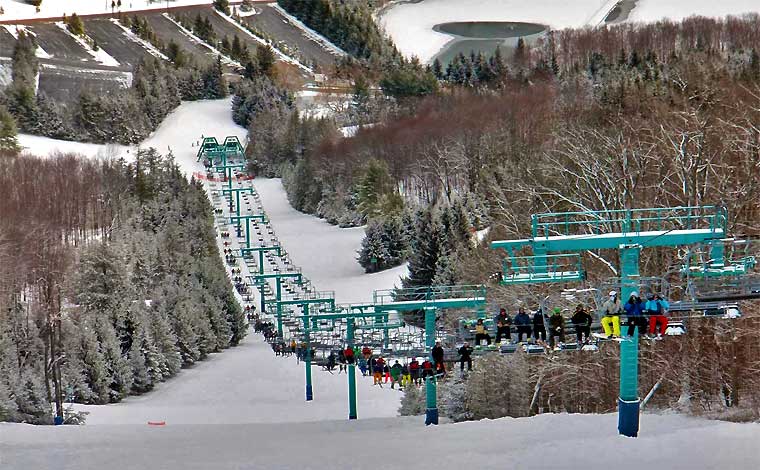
539 326
582 321
465 355
437 353
556 327
331 361
503 322
634 310
396 374
522 322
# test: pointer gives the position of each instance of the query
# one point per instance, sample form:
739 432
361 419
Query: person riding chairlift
657 307
611 321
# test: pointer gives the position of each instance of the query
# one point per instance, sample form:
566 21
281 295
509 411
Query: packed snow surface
653 10
247 384
410 25
43 147
20 10
327 254
544 442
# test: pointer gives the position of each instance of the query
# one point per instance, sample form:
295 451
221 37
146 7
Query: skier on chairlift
582 321
503 322
634 310
611 321
437 353
522 322
539 328
465 356
657 307
556 327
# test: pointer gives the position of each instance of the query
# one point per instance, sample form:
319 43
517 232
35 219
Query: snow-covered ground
43 147
544 442
653 10
410 25
326 253
19 10
247 384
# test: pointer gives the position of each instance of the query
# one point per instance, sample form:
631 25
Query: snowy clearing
410 25
326 253
247 384
653 10
542 442
19 10
44 147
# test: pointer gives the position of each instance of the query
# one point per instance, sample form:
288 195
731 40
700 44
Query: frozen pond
485 37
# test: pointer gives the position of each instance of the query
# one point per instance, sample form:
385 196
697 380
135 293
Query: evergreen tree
223 6
8 141
75 25
374 255
265 59
214 83
413 402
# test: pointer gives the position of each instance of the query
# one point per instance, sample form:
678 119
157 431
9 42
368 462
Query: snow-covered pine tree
453 402
374 255
8 134
413 402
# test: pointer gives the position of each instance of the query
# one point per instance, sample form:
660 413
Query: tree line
110 282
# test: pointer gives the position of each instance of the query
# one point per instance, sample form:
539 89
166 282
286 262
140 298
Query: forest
110 282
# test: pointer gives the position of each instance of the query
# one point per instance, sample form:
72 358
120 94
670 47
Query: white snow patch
326 253
135 38
310 33
481 235
19 10
545 442
100 55
653 10
44 147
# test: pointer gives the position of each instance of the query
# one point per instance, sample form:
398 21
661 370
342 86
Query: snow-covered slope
545 442
247 384
43 146
20 10
326 253
653 10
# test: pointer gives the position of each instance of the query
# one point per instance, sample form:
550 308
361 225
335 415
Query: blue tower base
431 416
628 417
309 393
